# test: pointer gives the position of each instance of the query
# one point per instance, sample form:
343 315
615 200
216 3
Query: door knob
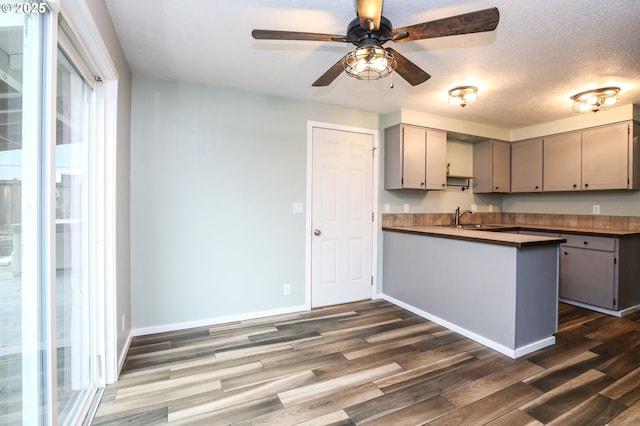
317 232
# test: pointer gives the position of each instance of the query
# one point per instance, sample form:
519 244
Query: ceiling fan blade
408 70
369 13
295 35
330 75
467 23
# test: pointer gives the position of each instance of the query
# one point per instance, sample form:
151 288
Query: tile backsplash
620 223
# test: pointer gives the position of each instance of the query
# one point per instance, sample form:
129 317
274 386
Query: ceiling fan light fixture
369 63
463 95
596 99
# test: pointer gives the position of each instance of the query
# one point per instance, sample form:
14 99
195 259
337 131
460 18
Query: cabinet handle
586 185
537 187
566 254
444 184
421 183
575 186
497 187
585 243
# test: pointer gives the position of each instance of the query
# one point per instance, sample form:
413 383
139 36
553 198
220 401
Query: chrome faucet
459 214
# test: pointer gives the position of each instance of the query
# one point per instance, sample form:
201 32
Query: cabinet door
562 164
482 181
501 166
526 166
436 167
393 157
413 157
605 157
587 276
491 166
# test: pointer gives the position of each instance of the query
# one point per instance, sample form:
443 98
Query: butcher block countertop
484 234
571 230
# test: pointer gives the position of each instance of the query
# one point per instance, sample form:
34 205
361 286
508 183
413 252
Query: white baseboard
532 347
143 331
611 312
122 356
512 353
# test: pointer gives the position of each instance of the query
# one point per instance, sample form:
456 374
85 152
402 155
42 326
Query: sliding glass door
23 307
74 292
48 297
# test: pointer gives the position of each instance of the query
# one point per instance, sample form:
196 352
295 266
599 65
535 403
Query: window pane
74 296
22 348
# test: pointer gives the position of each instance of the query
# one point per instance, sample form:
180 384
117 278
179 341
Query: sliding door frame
104 80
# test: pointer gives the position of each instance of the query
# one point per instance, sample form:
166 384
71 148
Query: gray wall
123 165
214 173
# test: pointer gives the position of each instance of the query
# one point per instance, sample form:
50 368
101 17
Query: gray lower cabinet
600 271
588 276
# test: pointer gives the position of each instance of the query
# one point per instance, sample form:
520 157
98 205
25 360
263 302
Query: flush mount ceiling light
369 63
463 95
596 99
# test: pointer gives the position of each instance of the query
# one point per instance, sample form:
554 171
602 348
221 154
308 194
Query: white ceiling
542 52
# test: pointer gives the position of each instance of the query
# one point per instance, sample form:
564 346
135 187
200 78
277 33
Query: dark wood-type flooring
375 363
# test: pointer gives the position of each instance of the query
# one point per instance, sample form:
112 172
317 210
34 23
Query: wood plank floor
375 363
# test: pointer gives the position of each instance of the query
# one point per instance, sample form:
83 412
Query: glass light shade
596 99
463 95
369 63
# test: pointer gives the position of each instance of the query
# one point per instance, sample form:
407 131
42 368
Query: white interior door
342 216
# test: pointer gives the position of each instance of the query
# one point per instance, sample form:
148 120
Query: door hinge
373 217
372 280
615 261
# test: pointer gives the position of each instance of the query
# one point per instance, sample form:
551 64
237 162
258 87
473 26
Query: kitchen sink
474 226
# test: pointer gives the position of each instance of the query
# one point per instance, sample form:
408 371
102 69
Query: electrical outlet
387 207
406 208
287 289
596 209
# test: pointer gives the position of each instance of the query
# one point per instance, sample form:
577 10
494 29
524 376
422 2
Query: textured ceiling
542 52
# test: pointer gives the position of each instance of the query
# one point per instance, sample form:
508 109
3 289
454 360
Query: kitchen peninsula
498 288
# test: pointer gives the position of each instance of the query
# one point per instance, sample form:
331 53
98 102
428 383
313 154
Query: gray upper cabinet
491 166
605 157
436 162
562 162
415 158
526 166
599 158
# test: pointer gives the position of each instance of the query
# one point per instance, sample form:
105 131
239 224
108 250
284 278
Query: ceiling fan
370 30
